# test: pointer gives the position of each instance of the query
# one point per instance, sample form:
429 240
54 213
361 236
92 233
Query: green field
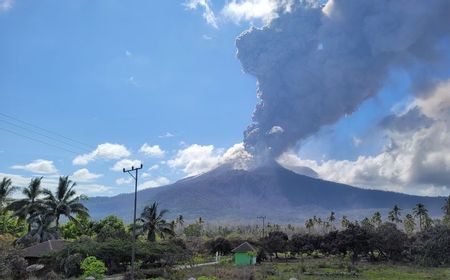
331 268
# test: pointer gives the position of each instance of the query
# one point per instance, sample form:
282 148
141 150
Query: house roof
244 248
43 248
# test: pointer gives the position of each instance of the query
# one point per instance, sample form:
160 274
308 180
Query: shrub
93 267
18 267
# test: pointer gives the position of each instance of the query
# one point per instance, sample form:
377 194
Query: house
35 252
244 254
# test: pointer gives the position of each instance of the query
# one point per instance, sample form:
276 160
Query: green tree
376 219
6 190
73 229
345 222
111 227
331 219
446 209
394 215
30 203
65 201
93 267
409 223
421 212
153 222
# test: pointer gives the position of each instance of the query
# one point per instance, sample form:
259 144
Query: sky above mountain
90 87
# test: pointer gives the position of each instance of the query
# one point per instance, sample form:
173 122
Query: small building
244 254
35 252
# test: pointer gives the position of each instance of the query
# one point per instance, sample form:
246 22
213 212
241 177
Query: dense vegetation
167 248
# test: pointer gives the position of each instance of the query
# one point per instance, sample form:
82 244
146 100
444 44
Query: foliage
10 224
6 190
193 230
220 244
274 243
110 227
93 267
82 225
64 201
431 246
153 223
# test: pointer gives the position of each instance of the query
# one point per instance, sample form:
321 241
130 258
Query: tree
30 204
376 219
331 219
6 190
409 223
422 213
154 223
309 224
275 242
394 215
446 209
82 226
345 222
64 201
111 227
220 244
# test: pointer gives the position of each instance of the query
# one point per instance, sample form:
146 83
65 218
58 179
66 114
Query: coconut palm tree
153 222
376 219
422 213
309 224
394 215
64 201
6 190
27 206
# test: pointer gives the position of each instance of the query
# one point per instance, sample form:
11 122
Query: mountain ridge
238 196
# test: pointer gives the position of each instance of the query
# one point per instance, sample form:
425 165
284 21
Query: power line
38 140
46 130
44 135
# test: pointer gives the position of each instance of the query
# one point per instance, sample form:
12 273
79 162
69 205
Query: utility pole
133 248
264 224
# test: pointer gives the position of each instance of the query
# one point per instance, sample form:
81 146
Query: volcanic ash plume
316 64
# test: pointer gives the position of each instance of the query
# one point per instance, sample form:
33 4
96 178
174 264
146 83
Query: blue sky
128 73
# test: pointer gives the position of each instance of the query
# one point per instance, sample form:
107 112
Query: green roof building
244 254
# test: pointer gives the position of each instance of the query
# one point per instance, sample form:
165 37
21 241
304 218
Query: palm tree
154 223
30 204
180 220
410 224
376 219
64 201
394 215
309 224
421 212
446 209
6 190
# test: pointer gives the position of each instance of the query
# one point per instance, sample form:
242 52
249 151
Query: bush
93 267
18 267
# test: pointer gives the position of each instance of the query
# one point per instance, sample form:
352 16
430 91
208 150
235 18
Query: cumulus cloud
161 181
39 166
415 160
94 189
126 163
197 159
6 5
124 181
104 151
84 174
208 13
152 151
249 10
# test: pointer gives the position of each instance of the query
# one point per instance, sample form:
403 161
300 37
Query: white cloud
249 10
161 181
356 141
103 151
93 189
152 151
153 167
123 181
415 161
84 175
206 37
6 5
208 13
126 163
39 166
166 135
197 159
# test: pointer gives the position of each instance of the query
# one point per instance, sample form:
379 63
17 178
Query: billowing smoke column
317 63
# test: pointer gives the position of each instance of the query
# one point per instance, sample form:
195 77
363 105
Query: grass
313 268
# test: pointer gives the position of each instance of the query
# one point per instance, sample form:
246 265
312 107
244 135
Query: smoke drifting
316 64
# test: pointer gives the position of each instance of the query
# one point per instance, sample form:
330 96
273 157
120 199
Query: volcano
227 195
